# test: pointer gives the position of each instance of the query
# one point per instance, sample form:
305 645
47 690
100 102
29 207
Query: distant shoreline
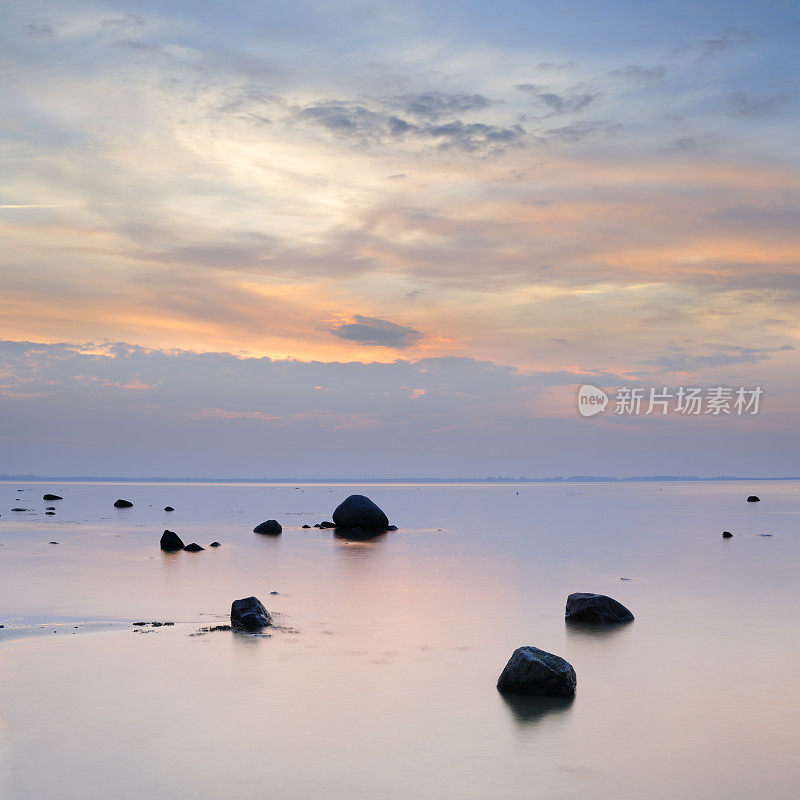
368 481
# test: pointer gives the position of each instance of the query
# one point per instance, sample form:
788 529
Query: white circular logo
591 400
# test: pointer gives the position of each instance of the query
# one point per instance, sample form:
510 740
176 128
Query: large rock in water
535 672
123 504
271 526
171 542
358 511
249 614
51 497
587 607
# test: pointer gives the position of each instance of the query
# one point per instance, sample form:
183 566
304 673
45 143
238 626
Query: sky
378 239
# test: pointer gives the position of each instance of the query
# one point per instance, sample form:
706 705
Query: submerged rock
193 548
168 508
305 526
123 504
358 511
325 524
51 497
533 671
249 614
271 526
727 535
171 542
50 508
753 499
215 544
588 607
49 513
19 509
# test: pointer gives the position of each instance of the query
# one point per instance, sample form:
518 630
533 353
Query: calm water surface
380 680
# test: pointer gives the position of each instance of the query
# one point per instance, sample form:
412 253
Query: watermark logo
683 401
591 400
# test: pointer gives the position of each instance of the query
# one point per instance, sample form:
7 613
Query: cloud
753 105
377 332
569 103
681 360
634 72
435 104
580 131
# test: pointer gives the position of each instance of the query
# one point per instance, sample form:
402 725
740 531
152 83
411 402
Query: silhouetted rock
193 548
49 513
533 671
727 535
271 527
587 607
19 509
306 526
215 544
171 542
325 524
358 511
50 508
51 497
168 508
53 542
249 614
392 528
753 499
123 504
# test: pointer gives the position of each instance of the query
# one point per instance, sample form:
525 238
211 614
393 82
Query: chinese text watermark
683 400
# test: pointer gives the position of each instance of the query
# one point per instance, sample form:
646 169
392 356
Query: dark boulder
168 508
587 607
325 525
727 535
51 497
215 544
50 508
392 528
305 526
249 614
358 511
123 504
19 509
271 527
49 513
753 499
533 671
171 542
193 548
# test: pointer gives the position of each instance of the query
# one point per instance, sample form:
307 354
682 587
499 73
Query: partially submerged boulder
168 508
727 535
753 499
51 497
358 511
249 614
215 544
171 542
533 671
123 504
271 527
193 548
588 607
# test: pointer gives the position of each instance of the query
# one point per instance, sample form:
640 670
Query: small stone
168 508
171 542
271 527
598 608
193 548
123 504
727 535
306 526
215 544
532 671
49 513
394 528
19 509
50 508
249 614
51 497
53 542
358 511
326 524
753 499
